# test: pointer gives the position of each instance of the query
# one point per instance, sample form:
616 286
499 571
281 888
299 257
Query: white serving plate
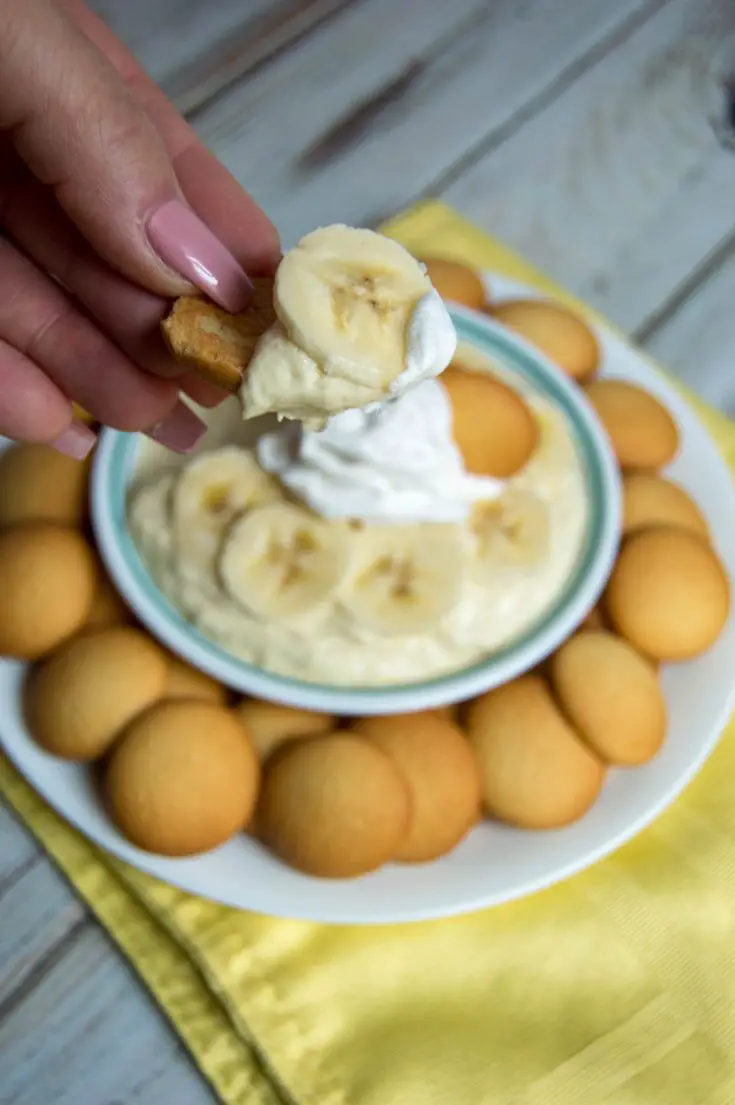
496 863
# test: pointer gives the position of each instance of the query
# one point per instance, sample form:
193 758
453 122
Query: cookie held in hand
215 344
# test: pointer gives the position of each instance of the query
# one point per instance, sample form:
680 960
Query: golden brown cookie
443 778
271 725
456 282
668 594
47 580
536 772
612 697
184 681
335 806
558 332
649 500
494 429
183 779
38 484
642 432
80 699
215 344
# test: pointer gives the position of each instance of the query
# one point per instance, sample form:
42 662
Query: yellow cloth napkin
617 986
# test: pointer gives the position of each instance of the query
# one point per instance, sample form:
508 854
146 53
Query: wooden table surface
592 136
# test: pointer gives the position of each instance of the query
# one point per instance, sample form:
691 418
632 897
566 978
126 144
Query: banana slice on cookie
279 561
212 490
345 296
407 579
511 531
350 319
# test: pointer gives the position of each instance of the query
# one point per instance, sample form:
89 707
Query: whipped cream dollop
431 342
396 462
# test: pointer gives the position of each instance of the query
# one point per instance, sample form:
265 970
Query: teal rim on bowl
114 465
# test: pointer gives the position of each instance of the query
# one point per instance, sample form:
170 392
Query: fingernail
77 441
189 247
180 430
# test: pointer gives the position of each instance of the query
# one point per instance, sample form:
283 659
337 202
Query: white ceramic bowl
114 465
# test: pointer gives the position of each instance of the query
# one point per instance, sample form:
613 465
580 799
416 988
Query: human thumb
73 121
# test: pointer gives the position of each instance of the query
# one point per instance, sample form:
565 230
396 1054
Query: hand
109 205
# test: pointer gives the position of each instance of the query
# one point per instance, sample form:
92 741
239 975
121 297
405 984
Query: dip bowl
115 466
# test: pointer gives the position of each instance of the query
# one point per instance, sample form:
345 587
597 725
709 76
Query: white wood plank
194 49
620 189
85 1035
366 114
38 911
698 342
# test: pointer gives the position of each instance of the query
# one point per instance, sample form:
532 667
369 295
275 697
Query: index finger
210 188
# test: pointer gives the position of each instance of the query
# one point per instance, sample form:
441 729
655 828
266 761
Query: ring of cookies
183 768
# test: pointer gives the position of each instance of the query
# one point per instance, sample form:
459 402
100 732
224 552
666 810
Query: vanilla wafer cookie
214 343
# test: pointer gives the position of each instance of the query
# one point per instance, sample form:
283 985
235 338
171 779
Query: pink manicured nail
77 441
179 430
189 247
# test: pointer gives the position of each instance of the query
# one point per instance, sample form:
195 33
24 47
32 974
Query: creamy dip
511 558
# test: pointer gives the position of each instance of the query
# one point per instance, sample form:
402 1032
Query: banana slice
346 296
211 491
281 562
409 577
512 531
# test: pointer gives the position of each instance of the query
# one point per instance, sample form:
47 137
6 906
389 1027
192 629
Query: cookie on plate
668 594
335 806
650 499
612 697
643 434
443 778
558 332
456 282
536 772
494 428
39 484
183 779
82 697
47 582
271 725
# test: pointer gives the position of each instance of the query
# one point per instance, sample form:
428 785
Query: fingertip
76 441
186 244
180 430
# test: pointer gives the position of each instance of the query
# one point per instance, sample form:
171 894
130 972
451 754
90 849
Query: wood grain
194 49
38 914
84 1036
620 189
373 109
